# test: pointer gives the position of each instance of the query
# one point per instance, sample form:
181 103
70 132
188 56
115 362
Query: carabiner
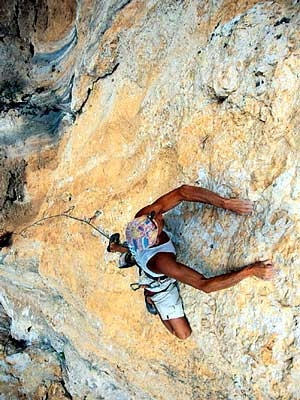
135 286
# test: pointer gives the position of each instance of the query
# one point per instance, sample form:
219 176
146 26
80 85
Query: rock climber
155 255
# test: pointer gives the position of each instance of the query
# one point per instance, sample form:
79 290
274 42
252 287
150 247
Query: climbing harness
127 260
153 285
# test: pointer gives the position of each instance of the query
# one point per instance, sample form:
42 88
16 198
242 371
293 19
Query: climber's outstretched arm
166 263
195 194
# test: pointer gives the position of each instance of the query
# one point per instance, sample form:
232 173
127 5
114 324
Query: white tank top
143 256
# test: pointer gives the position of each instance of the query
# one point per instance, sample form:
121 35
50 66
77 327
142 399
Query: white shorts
169 303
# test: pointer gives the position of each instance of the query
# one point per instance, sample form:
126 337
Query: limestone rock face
105 106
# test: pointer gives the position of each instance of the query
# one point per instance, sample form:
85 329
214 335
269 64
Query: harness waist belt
149 293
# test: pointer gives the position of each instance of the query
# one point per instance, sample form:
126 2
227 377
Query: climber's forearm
199 194
260 269
224 281
193 193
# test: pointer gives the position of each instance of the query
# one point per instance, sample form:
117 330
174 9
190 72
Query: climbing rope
66 214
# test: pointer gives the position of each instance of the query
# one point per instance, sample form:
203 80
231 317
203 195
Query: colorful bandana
141 233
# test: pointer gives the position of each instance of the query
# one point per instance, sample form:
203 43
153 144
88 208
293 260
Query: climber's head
141 233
